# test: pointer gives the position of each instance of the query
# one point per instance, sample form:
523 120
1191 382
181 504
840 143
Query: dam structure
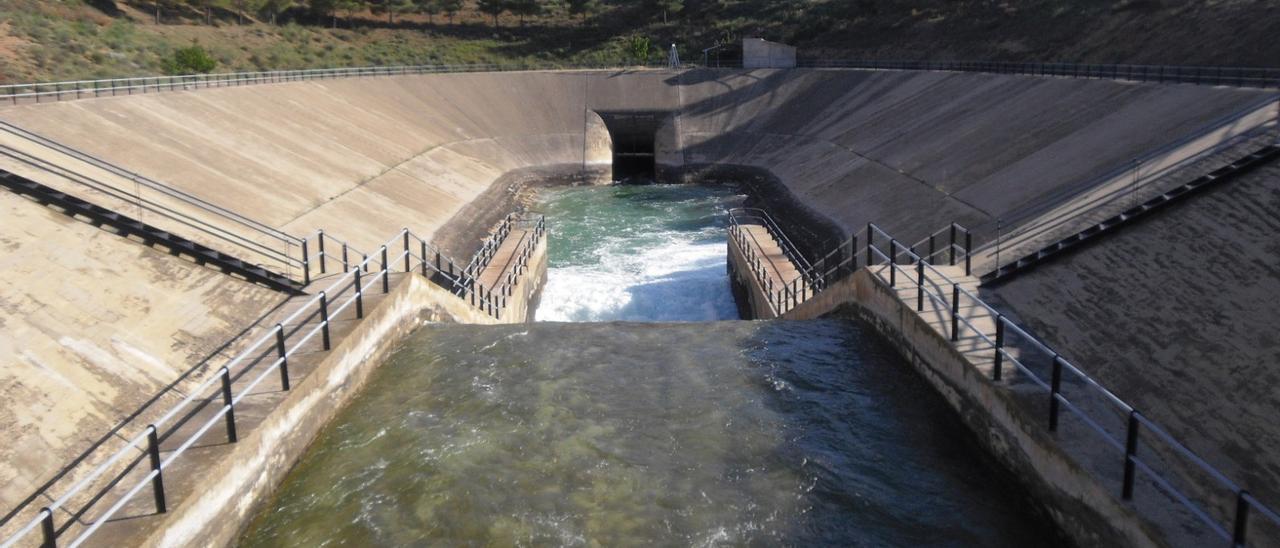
401 306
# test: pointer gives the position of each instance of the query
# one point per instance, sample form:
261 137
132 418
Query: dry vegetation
71 39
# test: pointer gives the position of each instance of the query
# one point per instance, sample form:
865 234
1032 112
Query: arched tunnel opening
633 135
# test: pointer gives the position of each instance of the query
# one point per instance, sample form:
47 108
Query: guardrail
1211 75
249 240
533 230
277 344
1120 429
785 295
1139 178
112 87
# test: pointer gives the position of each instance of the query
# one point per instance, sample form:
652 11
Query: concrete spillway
445 155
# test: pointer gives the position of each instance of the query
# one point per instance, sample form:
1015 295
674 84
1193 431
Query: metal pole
1242 519
853 255
359 296
157 482
320 239
955 312
227 401
968 256
386 282
306 264
284 358
1130 449
46 527
893 268
995 372
920 284
1055 389
324 319
407 264
345 265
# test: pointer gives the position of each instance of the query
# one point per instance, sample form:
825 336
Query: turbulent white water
637 253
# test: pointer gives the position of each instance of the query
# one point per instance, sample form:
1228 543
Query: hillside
70 39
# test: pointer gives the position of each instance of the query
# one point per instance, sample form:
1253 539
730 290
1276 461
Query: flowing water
637 253
610 434
622 433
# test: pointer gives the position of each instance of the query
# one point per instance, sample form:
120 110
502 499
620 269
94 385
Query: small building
761 53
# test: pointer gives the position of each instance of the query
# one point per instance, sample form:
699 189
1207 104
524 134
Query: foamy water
637 253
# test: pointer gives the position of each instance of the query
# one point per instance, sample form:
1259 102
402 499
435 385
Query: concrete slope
94 326
1176 314
914 151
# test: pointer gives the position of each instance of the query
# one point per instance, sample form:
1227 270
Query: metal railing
112 87
1139 178
277 344
533 230
1119 426
786 294
1203 75
249 240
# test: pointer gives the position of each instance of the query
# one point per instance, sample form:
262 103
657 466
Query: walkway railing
1211 75
226 230
278 345
533 229
788 293
1118 425
113 87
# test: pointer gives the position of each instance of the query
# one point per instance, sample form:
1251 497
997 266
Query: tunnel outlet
633 135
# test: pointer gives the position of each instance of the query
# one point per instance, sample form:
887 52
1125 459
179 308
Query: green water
624 434
637 253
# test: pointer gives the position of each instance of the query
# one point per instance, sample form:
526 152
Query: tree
492 7
349 6
639 48
429 7
667 6
190 60
524 8
450 8
584 8
275 7
391 8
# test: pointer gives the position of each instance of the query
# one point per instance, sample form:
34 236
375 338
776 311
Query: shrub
190 60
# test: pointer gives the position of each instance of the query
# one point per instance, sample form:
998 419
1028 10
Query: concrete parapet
1070 493
761 53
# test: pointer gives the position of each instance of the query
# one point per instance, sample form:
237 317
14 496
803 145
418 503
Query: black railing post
346 267
968 254
1054 389
919 284
1130 450
47 528
438 265
1241 529
157 482
407 263
228 401
283 356
955 312
324 320
422 253
853 255
893 263
306 264
386 280
320 242
359 296
953 244
999 359
870 246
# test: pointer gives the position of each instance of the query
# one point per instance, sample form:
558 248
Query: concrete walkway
505 258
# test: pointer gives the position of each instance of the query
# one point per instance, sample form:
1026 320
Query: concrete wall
747 285
1088 512
94 325
1177 315
760 53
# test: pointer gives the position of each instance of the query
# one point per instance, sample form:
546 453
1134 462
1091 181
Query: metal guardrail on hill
1248 77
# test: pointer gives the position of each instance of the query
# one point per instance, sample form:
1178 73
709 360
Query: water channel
673 432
